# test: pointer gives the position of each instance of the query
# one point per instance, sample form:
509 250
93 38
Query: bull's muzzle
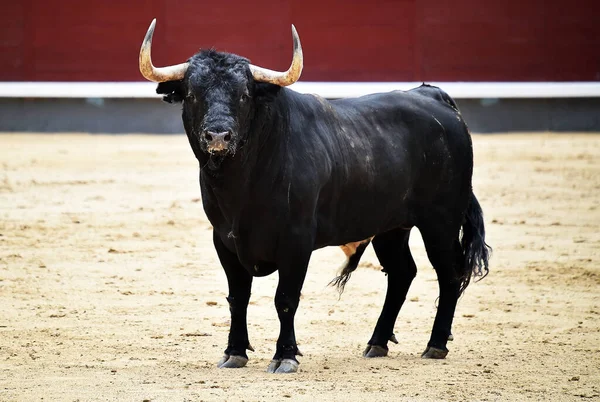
217 142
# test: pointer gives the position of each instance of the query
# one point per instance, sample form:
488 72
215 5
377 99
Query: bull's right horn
157 74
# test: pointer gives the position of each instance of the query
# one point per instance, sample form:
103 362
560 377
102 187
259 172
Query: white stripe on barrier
459 90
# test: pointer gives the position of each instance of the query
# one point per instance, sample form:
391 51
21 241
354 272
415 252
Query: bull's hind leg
394 255
446 256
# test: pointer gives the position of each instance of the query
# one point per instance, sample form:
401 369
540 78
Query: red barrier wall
379 40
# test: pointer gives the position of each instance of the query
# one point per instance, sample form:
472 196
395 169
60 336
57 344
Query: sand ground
111 290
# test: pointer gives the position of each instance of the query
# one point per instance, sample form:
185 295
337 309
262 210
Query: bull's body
283 174
341 172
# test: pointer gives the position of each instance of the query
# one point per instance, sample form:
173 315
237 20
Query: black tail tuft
475 249
351 265
340 281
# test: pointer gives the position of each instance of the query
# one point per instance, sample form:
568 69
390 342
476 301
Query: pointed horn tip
295 33
149 34
152 26
296 39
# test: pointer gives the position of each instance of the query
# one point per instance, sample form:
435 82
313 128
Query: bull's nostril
227 137
208 137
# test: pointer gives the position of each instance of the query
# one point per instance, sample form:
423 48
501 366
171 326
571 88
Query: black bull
297 172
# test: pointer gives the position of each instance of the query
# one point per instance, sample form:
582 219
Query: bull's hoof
284 366
232 361
375 351
434 353
450 337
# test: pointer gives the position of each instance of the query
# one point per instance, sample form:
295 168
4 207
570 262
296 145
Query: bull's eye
190 97
244 98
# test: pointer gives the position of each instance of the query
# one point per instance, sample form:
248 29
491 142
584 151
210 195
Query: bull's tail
475 250
353 253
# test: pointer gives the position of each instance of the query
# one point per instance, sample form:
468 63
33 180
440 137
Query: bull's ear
173 91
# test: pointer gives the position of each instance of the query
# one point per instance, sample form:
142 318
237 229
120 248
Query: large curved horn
286 78
157 74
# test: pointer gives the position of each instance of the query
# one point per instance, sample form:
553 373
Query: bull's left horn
157 74
288 77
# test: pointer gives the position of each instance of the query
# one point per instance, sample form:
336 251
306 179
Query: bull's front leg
240 283
293 257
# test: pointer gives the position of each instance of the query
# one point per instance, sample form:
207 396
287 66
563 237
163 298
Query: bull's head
217 91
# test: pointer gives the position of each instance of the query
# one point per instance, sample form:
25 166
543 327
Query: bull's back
399 153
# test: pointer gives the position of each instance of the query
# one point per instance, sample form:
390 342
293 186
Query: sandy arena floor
111 290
